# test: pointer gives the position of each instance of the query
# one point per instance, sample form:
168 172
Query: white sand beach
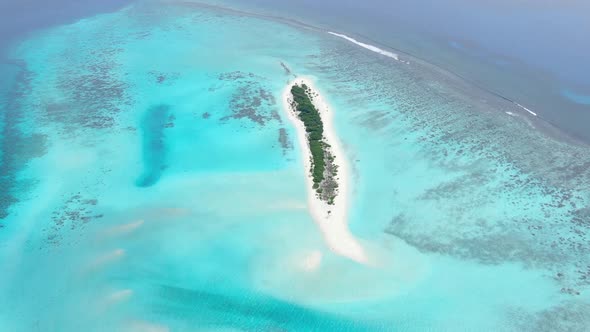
332 220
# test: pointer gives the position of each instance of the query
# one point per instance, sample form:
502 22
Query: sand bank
332 220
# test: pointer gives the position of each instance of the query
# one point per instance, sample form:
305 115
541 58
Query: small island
323 169
326 170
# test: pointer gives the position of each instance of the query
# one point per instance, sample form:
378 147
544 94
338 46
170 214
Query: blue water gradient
526 51
154 183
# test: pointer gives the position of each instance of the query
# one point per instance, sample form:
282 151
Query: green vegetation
323 170
315 131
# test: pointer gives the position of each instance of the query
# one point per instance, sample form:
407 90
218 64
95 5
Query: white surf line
525 119
367 46
396 57
526 109
332 220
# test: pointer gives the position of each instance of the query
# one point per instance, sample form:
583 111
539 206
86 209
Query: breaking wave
367 46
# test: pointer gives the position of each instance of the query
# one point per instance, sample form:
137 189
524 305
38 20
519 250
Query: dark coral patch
94 94
250 100
284 140
162 78
74 214
18 147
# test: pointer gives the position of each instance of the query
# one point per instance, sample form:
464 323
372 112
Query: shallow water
152 182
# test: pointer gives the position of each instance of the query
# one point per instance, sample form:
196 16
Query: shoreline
332 220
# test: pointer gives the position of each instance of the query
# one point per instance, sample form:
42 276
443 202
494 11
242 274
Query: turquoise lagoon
151 182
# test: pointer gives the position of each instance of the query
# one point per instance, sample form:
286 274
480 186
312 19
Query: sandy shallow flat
332 220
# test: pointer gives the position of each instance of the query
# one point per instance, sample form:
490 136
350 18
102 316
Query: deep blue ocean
533 52
151 181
